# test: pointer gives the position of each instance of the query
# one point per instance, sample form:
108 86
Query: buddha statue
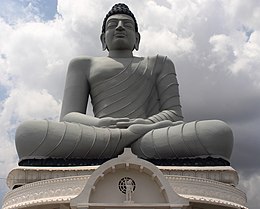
136 103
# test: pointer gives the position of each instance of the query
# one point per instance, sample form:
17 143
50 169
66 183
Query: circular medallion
125 183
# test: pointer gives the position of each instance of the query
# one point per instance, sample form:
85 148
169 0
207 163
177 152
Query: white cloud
25 104
248 58
248 185
237 54
177 46
22 104
37 53
243 12
221 45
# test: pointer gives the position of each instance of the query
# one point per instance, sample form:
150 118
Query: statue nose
120 26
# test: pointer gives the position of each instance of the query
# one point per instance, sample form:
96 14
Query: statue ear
137 41
103 41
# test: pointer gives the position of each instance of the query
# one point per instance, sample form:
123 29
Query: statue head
120 29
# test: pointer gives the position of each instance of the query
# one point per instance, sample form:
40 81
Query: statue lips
120 35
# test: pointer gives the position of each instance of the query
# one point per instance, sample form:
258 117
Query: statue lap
65 140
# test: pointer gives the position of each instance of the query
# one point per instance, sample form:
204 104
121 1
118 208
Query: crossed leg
43 139
198 138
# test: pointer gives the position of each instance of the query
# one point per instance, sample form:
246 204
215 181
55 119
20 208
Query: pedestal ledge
24 175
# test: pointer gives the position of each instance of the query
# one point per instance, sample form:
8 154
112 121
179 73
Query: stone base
97 186
23 175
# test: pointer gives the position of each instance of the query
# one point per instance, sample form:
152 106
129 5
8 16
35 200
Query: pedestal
124 182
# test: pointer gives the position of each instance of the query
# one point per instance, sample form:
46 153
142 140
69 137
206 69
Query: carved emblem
127 186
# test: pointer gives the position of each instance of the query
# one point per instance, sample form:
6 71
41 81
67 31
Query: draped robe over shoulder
141 91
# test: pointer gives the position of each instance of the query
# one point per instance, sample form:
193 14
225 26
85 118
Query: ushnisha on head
119 9
120 29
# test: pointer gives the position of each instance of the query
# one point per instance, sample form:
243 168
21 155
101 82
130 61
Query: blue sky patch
3 92
13 10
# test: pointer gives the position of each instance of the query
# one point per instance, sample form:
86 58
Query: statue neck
120 54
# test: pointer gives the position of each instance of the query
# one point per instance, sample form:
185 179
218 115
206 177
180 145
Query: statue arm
76 95
76 90
168 92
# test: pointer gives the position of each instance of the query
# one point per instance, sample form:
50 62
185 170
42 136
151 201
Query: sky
215 46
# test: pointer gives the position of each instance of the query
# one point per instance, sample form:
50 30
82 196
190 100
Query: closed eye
129 25
112 24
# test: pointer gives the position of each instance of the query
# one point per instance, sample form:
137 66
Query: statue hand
142 129
111 122
126 124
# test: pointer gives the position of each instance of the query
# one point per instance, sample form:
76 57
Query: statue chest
119 90
110 72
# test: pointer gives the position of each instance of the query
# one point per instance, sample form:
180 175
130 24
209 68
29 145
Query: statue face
120 33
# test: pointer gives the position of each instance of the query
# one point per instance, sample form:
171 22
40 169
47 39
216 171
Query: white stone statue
136 104
129 189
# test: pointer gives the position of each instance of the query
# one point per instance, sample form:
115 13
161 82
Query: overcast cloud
215 46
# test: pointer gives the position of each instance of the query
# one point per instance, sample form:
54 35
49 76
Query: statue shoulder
162 63
78 64
160 59
81 60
